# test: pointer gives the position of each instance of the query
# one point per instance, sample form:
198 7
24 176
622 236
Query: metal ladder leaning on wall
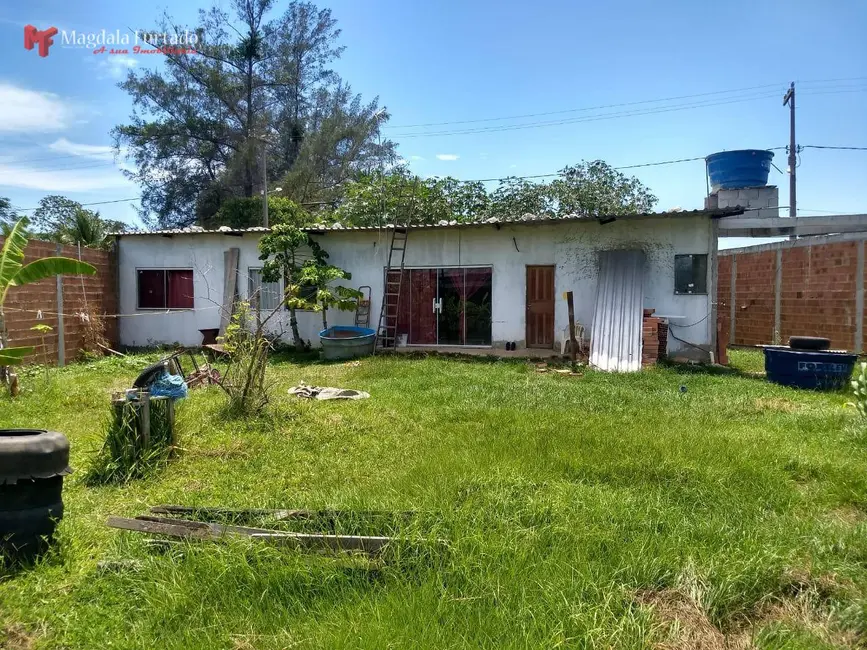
386 331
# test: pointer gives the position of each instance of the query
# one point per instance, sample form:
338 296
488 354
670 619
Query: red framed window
165 289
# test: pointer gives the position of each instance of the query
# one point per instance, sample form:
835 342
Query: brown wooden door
540 306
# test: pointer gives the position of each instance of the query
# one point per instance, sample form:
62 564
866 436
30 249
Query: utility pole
265 182
789 99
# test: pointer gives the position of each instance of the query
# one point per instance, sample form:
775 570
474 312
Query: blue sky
451 61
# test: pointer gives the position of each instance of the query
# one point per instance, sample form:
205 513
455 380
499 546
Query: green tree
589 188
243 213
14 273
318 273
257 85
282 253
60 219
397 196
7 216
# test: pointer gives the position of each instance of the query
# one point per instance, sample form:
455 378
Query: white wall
572 247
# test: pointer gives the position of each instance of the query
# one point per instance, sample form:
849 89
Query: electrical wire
134 198
589 118
579 110
614 115
821 146
778 86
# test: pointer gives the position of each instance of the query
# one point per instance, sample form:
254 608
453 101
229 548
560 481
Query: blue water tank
807 369
742 168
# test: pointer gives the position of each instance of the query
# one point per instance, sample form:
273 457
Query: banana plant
15 273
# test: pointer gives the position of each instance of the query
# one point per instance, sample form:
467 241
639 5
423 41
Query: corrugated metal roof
527 219
615 341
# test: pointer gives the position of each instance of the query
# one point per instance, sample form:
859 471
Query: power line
607 116
134 198
822 146
578 110
618 105
589 118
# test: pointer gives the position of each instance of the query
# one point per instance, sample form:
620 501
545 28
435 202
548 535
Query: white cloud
30 110
416 158
512 166
59 181
116 65
448 156
62 145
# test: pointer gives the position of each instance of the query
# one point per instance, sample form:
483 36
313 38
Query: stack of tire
33 463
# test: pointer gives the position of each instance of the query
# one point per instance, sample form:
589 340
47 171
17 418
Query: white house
482 284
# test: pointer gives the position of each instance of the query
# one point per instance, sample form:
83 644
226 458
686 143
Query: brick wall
818 288
649 338
98 291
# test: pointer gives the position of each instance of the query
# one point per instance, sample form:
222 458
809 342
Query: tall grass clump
126 454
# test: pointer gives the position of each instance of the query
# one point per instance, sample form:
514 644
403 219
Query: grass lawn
662 509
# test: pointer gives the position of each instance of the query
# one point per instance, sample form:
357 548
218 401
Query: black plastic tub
822 370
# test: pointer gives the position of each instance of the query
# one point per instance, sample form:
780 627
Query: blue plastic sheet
167 385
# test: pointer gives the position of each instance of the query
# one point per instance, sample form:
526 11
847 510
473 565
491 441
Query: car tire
814 343
32 453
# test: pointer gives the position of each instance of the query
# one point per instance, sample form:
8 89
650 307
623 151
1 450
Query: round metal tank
742 168
344 342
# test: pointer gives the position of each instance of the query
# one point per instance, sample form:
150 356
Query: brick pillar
649 338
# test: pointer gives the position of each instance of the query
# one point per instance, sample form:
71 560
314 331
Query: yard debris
326 392
277 514
213 532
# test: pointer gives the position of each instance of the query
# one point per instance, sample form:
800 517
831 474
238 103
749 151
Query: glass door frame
410 269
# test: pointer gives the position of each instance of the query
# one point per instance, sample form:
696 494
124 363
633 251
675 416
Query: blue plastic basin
729 170
804 369
346 342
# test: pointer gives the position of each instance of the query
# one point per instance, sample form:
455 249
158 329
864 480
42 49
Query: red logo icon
33 36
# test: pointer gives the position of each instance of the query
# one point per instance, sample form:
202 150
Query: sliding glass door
446 306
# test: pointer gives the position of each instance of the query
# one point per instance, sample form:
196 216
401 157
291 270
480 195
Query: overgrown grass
578 511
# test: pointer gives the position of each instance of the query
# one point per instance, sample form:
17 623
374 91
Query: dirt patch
779 404
15 637
802 604
685 626
849 515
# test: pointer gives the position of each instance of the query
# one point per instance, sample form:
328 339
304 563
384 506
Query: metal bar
713 271
778 292
61 335
216 532
859 299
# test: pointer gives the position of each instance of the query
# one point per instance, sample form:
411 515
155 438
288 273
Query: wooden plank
573 344
279 514
158 528
226 512
145 419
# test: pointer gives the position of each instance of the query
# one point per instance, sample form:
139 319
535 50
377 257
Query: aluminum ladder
386 331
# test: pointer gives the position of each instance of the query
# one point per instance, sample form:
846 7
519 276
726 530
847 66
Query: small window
268 292
307 292
690 274
165 289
